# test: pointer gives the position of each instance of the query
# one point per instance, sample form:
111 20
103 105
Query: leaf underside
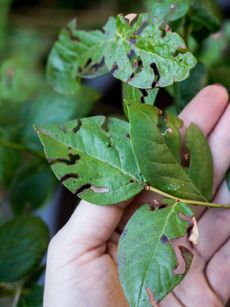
158 154
150 259
143 53
93 157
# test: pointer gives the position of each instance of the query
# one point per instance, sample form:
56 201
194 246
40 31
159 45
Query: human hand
82 262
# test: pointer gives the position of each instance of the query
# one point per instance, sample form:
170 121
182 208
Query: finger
206 108
219 141
89 228
218 272
170 300
214 225
195 288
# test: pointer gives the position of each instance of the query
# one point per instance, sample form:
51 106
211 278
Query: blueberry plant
177 47
108 160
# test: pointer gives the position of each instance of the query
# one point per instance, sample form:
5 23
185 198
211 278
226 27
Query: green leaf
32 297
70 54
9 158
157 270
93 157
15 86
143 53
132 94
31 187
23 242
228 179
186 90
205 14
168 10
4 9
40 111
158 155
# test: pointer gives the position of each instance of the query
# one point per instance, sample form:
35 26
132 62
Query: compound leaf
93 157
23 242
158 155
168 10
142 52
152 274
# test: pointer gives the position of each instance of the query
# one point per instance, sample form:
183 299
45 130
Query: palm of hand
82 268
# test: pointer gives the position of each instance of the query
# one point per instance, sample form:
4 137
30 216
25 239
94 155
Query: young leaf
168 10
142 52
150 260
23 242
93 157
158 155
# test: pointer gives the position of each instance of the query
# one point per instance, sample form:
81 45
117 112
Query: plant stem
17 296
187 201
20 147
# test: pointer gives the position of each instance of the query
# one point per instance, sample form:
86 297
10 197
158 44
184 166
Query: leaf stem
187 201
17 296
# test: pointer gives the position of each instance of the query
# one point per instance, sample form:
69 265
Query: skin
82 264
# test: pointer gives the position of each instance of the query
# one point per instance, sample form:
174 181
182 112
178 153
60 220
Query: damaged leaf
152 274
140 51
93 158
159 154
194 236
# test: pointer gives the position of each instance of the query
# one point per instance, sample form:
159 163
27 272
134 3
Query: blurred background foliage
28 28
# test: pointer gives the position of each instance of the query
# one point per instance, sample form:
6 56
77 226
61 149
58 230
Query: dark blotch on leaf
71 161
69 176
164 239
78 126
83 188
105 125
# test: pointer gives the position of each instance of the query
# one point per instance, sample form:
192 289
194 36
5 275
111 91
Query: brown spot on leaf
182 254
194 235
152 300
131 18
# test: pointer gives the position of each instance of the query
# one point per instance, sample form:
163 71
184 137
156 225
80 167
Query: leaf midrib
154 252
